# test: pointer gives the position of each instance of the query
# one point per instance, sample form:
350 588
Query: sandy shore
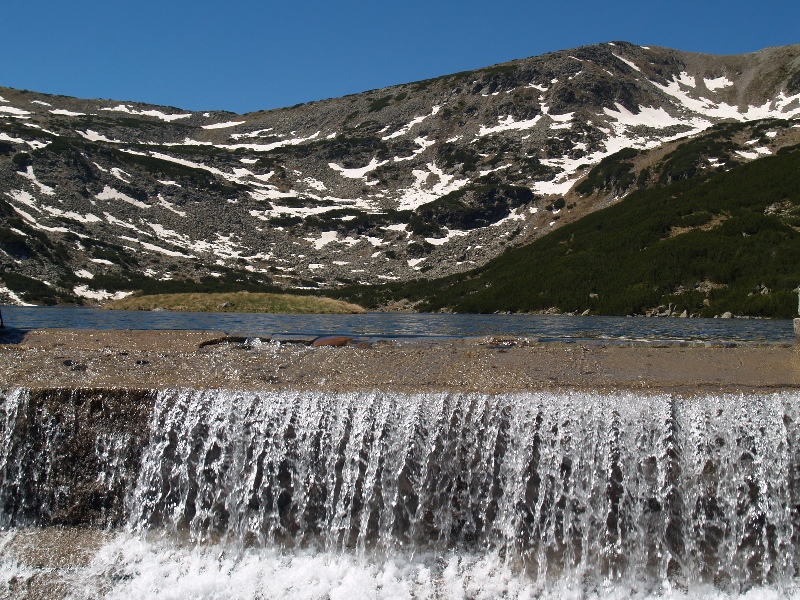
207 359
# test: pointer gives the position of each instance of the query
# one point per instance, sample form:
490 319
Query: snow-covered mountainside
425 179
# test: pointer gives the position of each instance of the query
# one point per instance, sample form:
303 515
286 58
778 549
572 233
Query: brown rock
332 340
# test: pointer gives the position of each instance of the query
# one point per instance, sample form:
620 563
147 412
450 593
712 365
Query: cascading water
313 494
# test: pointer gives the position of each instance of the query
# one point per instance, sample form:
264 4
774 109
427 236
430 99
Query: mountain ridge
423 179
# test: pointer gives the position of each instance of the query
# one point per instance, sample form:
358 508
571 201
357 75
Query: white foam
130 568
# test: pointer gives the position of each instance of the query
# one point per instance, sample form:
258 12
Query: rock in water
332 340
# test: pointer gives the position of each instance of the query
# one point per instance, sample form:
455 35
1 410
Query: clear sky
246 55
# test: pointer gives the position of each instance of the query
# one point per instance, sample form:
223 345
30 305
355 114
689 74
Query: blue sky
244 55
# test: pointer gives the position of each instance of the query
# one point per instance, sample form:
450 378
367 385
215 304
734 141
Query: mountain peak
416 180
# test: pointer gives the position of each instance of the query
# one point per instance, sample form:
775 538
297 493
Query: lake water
416 325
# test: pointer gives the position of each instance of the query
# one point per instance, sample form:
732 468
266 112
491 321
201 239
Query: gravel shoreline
67 358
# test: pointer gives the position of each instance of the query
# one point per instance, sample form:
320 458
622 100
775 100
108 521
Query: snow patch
87 218
421 192
25 198
224 125
85 292
14 111
315 183
451 233
14 297
358 173
118 173
251 134
649 117
93 136
411 124
631 64
147 113
271 146
154 248
718 83
110 193
756 153
67 113
508 124
119 222
45 189
326 237
781 107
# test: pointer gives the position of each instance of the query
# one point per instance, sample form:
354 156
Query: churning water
364 495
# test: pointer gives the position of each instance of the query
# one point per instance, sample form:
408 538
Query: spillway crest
664 492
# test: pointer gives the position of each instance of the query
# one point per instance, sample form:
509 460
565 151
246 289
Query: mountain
721 240
99 198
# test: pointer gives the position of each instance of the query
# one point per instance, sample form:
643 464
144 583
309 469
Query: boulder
331 340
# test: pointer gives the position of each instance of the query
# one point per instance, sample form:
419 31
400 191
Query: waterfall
654 491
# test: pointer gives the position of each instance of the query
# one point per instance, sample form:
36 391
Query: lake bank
67 358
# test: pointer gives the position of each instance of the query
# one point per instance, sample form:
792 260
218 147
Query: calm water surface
414 325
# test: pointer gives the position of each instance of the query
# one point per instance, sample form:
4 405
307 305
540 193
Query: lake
416 325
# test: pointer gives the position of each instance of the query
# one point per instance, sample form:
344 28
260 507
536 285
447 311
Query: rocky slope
100 197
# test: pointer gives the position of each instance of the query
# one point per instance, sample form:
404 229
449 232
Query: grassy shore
246 302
